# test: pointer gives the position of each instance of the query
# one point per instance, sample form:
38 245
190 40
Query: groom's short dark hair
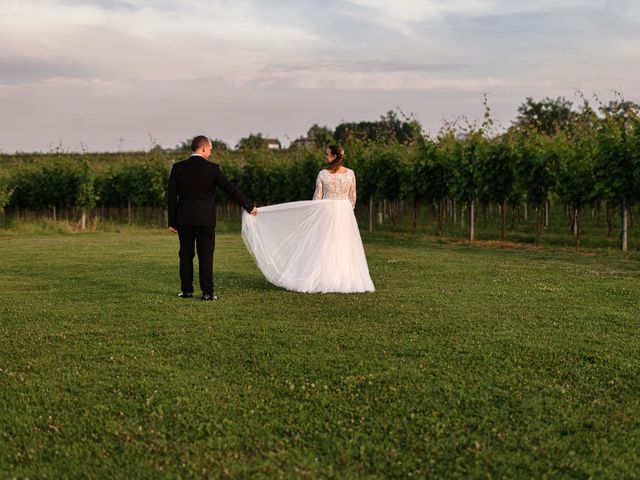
199 142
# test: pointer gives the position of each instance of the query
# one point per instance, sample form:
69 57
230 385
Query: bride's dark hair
335 165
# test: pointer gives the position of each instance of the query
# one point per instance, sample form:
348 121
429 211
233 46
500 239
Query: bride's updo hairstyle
338 151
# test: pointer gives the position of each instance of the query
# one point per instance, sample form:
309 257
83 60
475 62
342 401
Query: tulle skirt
308 246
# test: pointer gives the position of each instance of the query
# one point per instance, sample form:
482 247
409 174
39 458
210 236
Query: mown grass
466 362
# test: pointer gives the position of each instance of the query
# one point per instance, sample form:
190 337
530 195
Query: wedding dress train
311 245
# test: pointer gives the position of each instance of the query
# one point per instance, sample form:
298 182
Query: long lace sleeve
317 195
352 192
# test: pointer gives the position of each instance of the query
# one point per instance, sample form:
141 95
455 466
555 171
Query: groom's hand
172 229
254 211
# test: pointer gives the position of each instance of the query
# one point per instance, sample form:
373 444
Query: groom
192 213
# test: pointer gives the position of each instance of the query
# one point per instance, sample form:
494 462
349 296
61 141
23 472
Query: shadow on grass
244 281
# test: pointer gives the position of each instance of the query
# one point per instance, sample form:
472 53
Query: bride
312 245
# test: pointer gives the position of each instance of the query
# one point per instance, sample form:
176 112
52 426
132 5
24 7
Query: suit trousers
204 239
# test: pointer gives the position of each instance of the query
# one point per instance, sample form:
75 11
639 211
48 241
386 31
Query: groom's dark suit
192 211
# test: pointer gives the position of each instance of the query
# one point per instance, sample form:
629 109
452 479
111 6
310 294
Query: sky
120 75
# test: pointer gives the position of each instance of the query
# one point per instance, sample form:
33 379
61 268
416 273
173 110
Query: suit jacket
192 186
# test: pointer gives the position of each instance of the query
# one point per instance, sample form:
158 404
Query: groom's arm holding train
234 192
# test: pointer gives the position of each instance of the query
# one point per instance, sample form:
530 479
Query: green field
467 361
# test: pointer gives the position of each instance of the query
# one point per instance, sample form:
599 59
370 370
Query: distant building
273 143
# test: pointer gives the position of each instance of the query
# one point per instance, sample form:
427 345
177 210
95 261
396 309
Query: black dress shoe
185 295
209 298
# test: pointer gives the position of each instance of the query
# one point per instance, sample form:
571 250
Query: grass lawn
467 361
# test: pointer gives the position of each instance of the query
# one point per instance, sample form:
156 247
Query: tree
320 137
346 133
60 182
439 171
618 158
389 129
417 173
539 157
134 184
576 172
254 141
303 175
474 151
497 174
621 108
545 116
404 132
256 180
387 163
5 194
361 160
217 145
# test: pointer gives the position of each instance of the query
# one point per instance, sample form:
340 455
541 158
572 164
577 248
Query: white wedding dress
312 245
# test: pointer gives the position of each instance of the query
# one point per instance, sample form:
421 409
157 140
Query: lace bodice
336 186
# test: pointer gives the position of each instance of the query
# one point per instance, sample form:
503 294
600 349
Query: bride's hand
254 211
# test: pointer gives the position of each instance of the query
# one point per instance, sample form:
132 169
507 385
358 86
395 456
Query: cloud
19 70
321 65
117 5
142 40
420 18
